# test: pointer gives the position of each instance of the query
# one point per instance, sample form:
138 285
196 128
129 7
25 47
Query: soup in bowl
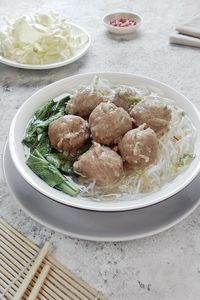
107 141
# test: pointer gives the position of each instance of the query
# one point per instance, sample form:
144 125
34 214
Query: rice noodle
176 151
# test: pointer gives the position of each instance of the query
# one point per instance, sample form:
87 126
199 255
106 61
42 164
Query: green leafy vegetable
30 139
43 147
49 112
44 112
50 174
61 161
60 105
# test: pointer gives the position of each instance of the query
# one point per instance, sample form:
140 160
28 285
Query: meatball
108 123
139 147
83 102
123 97
68 133
156 117
100 163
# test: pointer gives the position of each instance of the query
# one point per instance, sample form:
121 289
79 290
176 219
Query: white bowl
27 110
122 30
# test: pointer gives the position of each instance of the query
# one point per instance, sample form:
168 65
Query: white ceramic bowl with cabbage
42 41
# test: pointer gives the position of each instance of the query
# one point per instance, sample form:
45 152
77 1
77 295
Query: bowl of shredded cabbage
42 41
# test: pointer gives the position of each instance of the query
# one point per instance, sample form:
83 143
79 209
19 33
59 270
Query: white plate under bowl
98 225
76 30
27 110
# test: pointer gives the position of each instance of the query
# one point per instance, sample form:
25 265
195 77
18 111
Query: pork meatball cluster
156 117
139 147
83 102
100 163
68 133
108 123
117 144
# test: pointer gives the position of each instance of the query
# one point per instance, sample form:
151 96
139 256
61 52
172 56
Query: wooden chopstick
32 271
39 282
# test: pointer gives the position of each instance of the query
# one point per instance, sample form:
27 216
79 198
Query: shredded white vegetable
176 151
39 39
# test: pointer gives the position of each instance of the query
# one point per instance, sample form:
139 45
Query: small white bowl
122 30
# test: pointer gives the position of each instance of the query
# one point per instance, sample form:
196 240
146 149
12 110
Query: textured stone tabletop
165 266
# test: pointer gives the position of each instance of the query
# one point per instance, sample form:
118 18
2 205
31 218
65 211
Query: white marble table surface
165 266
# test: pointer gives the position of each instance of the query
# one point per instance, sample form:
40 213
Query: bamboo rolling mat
29 273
